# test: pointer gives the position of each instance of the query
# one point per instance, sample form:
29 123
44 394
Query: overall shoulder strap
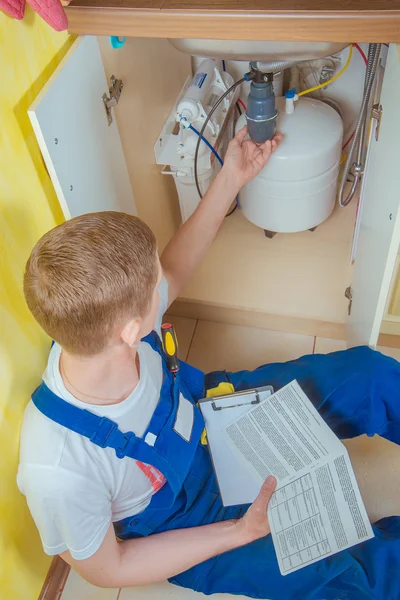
153 339
104 433
100 430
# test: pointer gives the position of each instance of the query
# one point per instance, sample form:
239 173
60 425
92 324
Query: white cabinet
379 237
83 153
95 167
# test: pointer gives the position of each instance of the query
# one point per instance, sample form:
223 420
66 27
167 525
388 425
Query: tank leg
313 228
269 234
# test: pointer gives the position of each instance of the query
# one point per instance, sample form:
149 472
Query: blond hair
88 275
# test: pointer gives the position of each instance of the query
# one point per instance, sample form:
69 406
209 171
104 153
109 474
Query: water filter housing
175 146
191 105
296 190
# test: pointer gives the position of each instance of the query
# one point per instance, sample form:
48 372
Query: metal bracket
326 74
349 295
377 112
115 93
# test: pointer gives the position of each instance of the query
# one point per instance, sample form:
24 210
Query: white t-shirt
74 488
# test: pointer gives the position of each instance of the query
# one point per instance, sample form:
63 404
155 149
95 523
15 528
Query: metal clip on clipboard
253 392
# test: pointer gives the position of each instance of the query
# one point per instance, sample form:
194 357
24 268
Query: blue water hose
207 143
213 150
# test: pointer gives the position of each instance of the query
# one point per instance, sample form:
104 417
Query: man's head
92 282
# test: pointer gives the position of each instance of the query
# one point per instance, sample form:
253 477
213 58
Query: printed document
317 509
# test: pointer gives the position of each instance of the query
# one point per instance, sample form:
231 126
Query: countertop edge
334 26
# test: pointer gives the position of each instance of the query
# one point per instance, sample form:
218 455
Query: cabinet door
83 154
379 235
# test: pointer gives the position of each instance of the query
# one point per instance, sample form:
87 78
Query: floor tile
184 329
77 588
168 591
325 345
393 352
232 347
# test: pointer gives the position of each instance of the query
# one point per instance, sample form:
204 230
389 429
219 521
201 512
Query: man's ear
130 332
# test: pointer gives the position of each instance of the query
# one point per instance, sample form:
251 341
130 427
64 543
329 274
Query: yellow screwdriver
170 347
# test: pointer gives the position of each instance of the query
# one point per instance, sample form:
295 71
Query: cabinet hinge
349 295
377 112
115 93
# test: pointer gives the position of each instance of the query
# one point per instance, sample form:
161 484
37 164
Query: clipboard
236 484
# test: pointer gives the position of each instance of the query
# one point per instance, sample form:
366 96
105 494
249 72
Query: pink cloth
50 10
14 8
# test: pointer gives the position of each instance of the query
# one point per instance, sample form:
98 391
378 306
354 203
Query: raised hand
244 159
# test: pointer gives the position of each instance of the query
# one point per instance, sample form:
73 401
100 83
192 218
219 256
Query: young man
110 441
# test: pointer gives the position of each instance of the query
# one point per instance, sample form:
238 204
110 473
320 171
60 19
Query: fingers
276 140
255 522
268 488
267 148
269 145
240 136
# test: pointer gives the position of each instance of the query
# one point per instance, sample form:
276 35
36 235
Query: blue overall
356 391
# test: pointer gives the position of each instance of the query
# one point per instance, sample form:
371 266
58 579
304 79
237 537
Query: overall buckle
121 450
105 428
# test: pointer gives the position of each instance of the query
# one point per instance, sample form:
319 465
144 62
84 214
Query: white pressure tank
296 190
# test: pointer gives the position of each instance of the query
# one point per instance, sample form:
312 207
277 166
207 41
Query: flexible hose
334 78
359 132
274 66
200 135
213 150
361 53
207 143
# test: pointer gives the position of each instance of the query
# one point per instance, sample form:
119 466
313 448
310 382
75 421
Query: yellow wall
29 52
